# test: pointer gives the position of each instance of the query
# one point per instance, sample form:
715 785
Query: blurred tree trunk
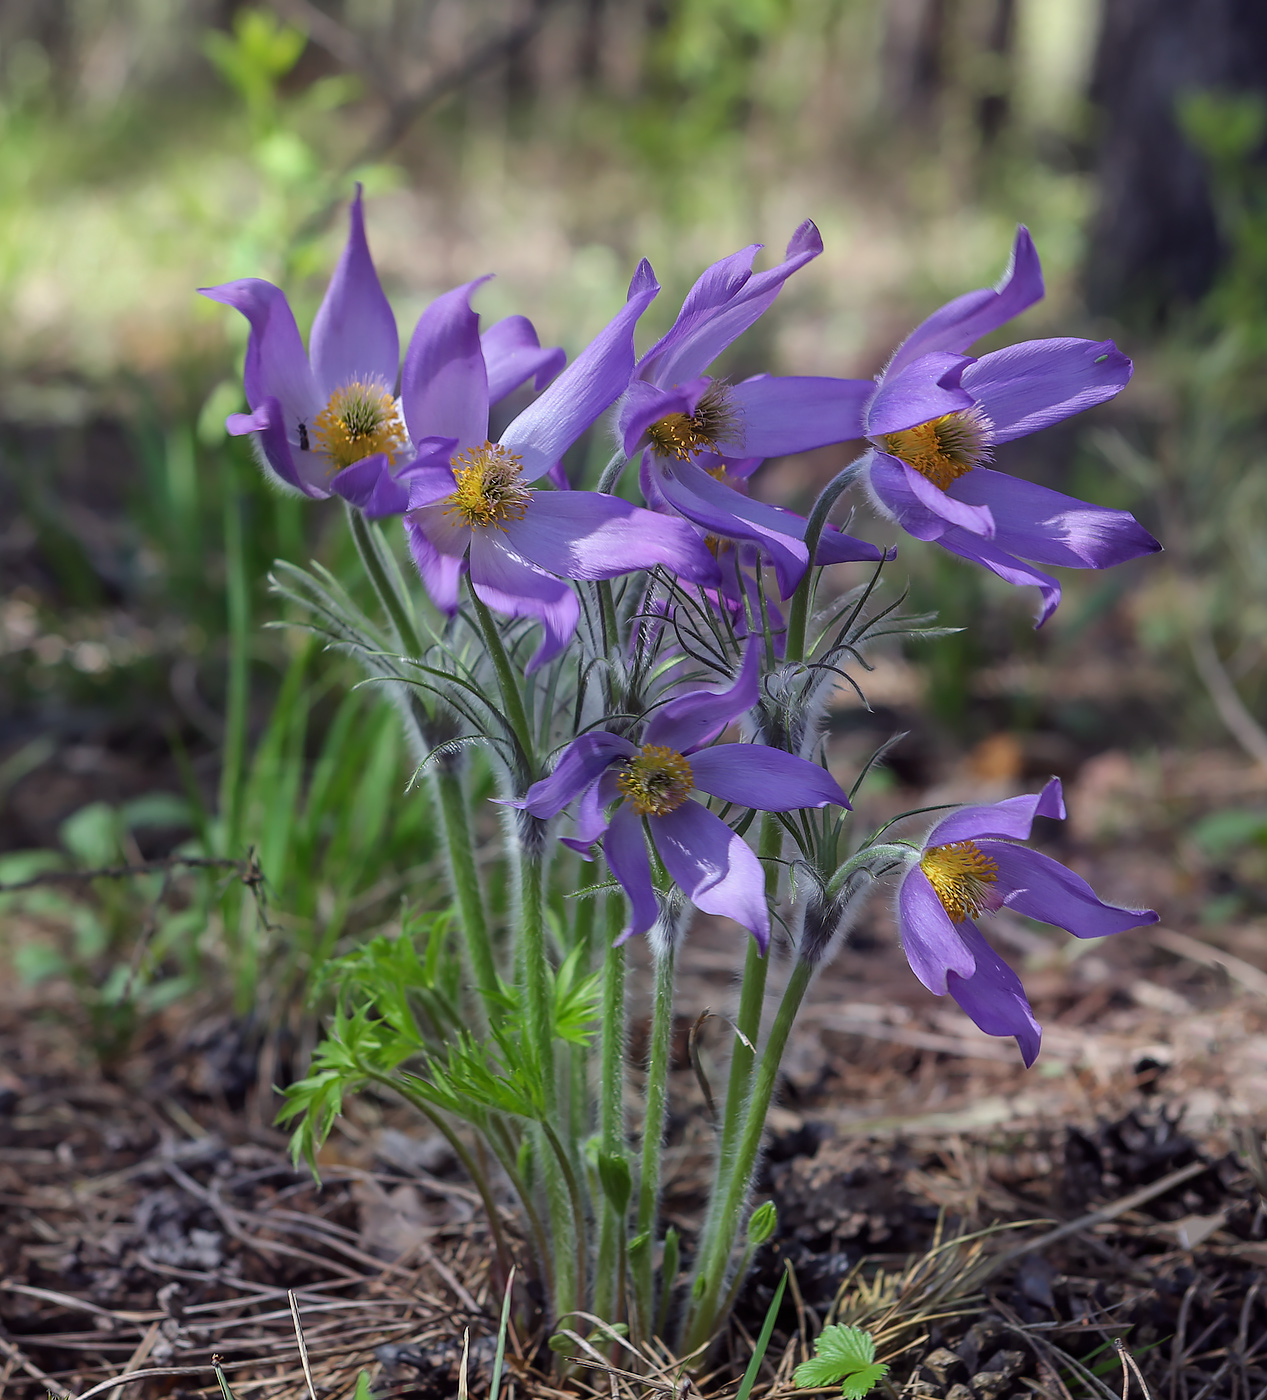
914 58
1154 241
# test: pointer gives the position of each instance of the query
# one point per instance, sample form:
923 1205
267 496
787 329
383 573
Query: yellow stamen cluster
657 781
715 421
488 487
961 874
360 420
945 448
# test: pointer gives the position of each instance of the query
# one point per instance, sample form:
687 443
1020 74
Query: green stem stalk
608 1280
568 1291
233 757
512 700
393 605
748 1022
464 880
798 615
719 1240
653 1136
464 1155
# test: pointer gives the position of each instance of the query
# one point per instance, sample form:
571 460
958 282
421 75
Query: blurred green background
149 148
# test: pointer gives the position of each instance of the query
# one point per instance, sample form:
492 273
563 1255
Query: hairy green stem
864 859
512 700
503 1148
716 1247
798 615
612 472
751 1003
464 880
568 1292
395 607
463 1153
608 1279
233 756
657 1095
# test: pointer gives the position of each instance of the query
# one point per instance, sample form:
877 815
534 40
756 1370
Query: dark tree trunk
1155 243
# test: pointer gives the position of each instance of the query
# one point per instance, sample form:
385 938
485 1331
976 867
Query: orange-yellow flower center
489 490
682 435
360 420
961 874
945 448
657 781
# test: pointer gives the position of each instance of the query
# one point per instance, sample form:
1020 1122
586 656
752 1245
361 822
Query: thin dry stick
19 1358
1253 979
299 1341
1105 1213
1127 1359
1244 728
248 871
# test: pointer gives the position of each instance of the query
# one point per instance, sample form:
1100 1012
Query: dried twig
248 872
1253 979
1106 1213
1127 1359
301 1343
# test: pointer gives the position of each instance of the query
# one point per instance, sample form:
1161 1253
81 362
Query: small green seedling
844 1354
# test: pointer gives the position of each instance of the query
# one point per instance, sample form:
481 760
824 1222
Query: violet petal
721 306
755 775
1006 566
370 486
925 389
967 318
720 510
932 941
1029 386
626 850
1043 889
584 534
695 719
444 385
545 430
581 764
1009 820
994 998
508 583
1037 523
513 355
441 573
354 332
713 867
975 519
276 366
795 413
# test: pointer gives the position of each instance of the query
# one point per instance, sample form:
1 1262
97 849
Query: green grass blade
763 1341
502 1328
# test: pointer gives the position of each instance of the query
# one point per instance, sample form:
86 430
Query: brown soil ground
152 1219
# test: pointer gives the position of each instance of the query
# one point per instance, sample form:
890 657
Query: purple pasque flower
970 864
327 422
653 783
700 438
472 504
936 416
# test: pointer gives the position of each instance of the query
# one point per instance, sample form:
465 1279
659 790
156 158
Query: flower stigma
686 435
360 420
961 875
488 487
945 448
657 781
